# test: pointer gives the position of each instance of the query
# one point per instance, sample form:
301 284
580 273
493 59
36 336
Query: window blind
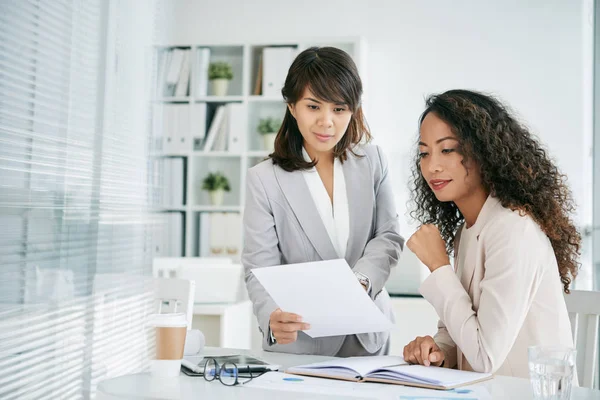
75 236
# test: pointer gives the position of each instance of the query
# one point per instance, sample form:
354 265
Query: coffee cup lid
167 320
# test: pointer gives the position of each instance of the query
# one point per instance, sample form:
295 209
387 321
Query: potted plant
268 128
219 74
216 184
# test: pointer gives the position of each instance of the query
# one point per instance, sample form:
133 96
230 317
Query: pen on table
248 369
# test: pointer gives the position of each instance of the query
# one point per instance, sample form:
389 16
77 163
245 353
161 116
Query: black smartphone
245 364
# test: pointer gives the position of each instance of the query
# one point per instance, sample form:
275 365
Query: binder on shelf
215 127
164 58
168 181
182 132
218 234
167 235
233 245
162 182
258 82
198 119
158 234
165 177
169 127
181 89
275 63
157 127
175 232
173 72
176 184
220 143
202 62
237 122
204 235
156 175
172 128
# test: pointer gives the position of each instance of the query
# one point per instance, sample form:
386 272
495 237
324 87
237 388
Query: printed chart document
326 294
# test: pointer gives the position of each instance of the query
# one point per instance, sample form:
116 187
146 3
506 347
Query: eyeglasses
229 373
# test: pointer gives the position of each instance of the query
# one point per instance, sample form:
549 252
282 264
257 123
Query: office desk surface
143 386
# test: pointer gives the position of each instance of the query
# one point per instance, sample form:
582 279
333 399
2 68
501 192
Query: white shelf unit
244 58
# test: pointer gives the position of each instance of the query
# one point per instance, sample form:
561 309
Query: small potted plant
216 184
219 74
268 128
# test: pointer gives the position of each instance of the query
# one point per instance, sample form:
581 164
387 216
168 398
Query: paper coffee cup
170 330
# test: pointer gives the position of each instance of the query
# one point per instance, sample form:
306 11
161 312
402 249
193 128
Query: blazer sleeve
511 278
260 247
446 344
383 250
442 338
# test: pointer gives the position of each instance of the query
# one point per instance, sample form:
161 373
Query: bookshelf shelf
216 154
188 119
173 99
217 209
167 155
218 99
258 153
169 209
254 98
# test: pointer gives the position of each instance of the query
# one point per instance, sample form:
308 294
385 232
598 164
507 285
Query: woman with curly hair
486 191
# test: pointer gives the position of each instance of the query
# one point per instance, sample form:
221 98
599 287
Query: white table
143 386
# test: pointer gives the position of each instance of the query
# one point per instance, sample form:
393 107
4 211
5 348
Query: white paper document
326 294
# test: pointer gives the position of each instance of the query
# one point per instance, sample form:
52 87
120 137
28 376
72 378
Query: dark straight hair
332 76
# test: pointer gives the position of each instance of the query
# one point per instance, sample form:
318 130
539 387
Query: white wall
532 54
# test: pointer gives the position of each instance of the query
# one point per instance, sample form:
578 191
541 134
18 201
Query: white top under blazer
337 218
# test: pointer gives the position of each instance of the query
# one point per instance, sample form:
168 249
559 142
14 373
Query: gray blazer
282 226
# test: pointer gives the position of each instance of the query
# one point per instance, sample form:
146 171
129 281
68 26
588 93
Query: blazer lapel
300 200
465 274
487 211
359 191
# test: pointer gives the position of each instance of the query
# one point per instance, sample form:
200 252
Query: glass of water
551 372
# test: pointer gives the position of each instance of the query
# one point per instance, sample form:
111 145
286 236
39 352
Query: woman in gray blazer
322 194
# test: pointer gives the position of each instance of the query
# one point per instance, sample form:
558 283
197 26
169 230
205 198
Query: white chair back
218 280
584 312
175 295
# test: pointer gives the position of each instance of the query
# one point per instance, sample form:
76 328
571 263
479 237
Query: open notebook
388 369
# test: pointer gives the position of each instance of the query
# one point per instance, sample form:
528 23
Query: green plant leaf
215 181
268 125
220 70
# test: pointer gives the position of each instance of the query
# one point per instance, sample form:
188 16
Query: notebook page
396 376
353 365
432 375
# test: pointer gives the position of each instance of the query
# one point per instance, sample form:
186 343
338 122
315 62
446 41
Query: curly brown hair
515 168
